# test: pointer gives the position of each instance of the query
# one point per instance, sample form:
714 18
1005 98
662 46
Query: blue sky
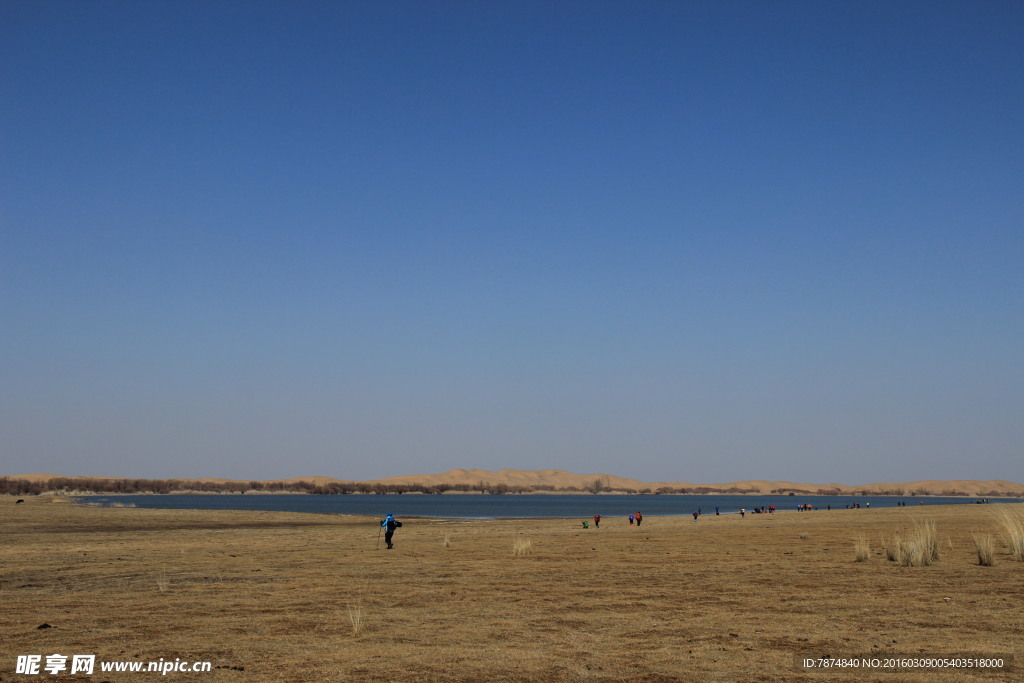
675 241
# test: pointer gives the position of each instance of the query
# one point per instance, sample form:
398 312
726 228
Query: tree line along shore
97 485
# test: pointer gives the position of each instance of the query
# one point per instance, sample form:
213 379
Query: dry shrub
1010 524
447 541
861 550
892 549
522 546
355 616
930 539
918 547
985 546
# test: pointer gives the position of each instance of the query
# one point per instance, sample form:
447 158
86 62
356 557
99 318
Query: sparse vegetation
892 548
355 616
861 550
918 547
522 546
1010 524
985 547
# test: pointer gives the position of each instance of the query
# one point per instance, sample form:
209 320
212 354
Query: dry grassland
298 597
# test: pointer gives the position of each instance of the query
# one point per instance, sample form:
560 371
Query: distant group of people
635 519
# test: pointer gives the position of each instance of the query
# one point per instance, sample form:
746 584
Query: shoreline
523 508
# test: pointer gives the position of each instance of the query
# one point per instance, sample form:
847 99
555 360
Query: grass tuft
1010 525
985 547
861 550
918 547
355 616
522 546
930 538
892 548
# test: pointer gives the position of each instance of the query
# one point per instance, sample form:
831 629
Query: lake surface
516 506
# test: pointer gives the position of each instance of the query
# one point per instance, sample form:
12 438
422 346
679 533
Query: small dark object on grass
19 501
42 626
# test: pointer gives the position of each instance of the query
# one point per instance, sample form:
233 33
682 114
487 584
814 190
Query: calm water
486 507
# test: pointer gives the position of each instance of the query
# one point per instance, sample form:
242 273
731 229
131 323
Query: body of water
517 506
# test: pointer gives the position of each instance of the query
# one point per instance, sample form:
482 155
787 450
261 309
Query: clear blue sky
669 240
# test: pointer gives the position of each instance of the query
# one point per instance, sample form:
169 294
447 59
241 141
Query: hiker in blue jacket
390 524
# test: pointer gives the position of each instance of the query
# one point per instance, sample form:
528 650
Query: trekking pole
378 537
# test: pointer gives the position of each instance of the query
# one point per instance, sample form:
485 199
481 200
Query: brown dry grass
297 597
985 547
917 547
1010 523
861 550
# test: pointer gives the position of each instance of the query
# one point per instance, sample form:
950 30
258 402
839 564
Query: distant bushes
68 485
20 487
700 490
